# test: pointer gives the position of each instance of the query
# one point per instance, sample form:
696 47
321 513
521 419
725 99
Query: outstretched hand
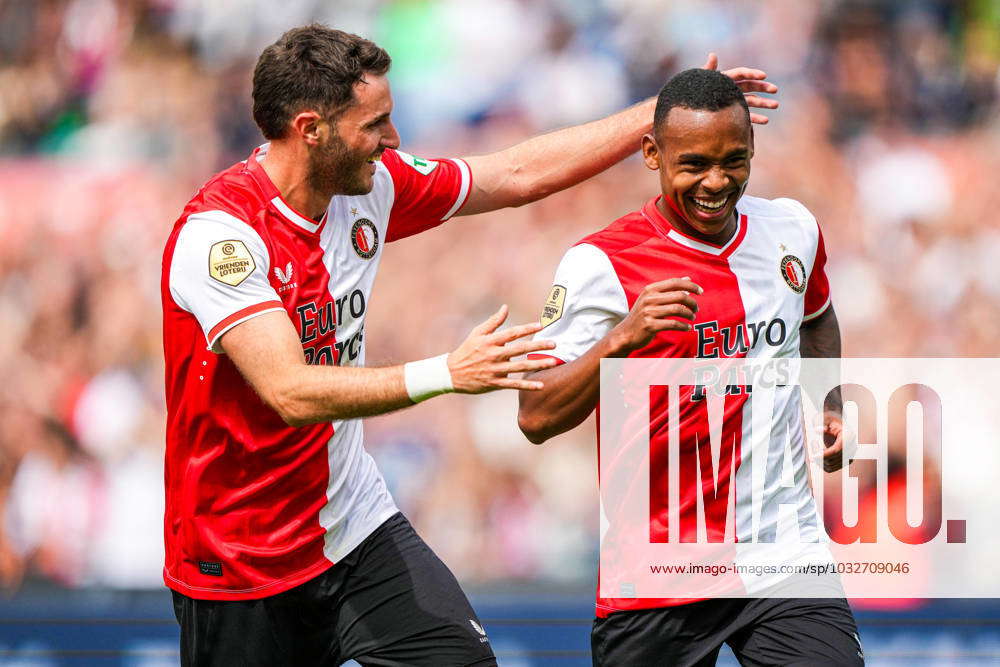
750 81
483 361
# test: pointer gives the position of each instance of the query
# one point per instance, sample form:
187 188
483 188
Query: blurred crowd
112 113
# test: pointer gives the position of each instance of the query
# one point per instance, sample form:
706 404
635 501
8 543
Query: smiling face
704 162
342 161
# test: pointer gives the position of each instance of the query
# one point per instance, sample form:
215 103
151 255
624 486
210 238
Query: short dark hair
310 67
698 89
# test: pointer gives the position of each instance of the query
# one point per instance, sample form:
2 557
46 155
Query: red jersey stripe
246 313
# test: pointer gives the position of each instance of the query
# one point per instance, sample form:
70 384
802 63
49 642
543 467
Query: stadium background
112 112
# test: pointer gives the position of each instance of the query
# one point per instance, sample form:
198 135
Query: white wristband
427 378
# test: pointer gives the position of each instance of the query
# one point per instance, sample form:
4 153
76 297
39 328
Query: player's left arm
551 162
819 338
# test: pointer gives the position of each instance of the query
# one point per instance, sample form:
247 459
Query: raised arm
555 161
267 351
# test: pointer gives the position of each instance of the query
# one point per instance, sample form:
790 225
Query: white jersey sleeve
218 273
817 297
586 302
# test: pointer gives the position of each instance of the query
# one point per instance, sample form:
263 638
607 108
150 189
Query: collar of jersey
652 213
276 200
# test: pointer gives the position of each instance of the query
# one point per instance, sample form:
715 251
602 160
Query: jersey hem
603 610
267 590
351 545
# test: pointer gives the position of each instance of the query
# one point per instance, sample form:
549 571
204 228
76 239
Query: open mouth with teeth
709 207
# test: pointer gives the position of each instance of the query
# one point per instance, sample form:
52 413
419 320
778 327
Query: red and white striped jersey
253 506
759 288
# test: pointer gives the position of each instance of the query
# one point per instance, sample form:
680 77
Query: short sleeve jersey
253 506
759 288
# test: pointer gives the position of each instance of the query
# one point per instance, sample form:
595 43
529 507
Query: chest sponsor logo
794 273
364 238
553 308
421 165
318 322
715 341
230 262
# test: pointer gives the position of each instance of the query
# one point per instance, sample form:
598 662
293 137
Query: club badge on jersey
794 273
364 238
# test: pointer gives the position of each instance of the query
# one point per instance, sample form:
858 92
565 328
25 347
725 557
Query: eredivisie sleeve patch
553 308
230 262
218 273
584 304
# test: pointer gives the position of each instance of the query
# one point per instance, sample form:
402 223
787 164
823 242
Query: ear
307 126
751 140
650 152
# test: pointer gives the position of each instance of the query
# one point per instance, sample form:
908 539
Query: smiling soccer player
702 271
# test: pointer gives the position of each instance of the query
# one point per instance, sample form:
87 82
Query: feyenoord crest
794 273
364 237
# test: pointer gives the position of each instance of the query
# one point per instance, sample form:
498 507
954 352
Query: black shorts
763 631
391 601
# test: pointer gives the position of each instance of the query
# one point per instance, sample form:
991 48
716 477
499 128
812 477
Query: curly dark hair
312 67
700 89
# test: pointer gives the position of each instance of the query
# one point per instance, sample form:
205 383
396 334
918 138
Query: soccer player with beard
283 545
702 271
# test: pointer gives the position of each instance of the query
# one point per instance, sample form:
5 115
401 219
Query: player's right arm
551 162
590 325
218 273
267 351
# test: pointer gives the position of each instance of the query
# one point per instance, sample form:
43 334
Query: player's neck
716 237
290 175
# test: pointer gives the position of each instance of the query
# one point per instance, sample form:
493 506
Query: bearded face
343 161
335 169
